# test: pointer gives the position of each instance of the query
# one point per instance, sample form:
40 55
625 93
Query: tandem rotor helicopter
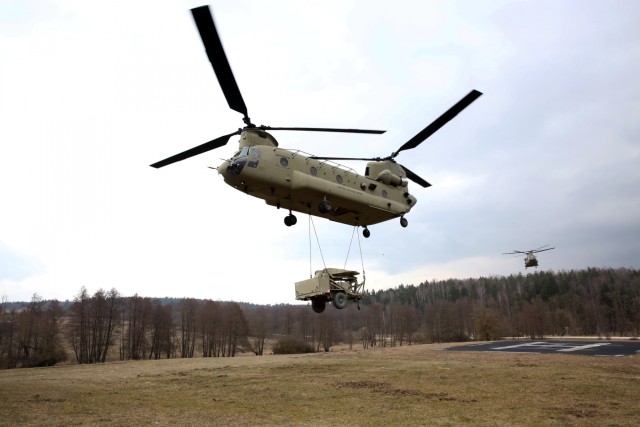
530 259
296 181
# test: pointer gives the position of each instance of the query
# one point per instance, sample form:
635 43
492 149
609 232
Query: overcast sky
93 92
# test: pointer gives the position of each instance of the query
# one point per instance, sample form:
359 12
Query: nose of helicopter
222 168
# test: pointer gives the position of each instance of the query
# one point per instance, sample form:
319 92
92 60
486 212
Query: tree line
94 328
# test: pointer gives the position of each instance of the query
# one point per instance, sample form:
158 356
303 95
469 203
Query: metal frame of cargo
334 285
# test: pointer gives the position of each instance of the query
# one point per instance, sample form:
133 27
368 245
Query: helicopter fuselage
293 180
530 260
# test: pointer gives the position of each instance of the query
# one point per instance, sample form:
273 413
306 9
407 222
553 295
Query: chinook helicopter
530 259
296 181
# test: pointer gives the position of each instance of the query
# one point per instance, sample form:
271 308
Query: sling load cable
360 287
319 248
349 251
322 256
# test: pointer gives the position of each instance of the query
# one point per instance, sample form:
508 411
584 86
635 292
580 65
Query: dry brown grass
417 385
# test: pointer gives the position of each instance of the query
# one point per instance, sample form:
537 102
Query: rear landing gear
403 222
366 233
290 220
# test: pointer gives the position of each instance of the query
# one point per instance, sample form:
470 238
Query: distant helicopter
530 260
296 181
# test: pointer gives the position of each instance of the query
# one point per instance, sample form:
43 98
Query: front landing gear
290 220
366 233
403 222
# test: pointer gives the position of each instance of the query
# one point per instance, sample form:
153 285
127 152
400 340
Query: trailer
333 285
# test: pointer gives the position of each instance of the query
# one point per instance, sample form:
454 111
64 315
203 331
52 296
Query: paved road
585 348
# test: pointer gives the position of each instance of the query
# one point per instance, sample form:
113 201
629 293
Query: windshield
242 153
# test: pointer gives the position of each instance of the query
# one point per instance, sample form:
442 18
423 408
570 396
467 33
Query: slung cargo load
334 285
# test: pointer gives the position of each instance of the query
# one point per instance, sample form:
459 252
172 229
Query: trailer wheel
317 305
339 300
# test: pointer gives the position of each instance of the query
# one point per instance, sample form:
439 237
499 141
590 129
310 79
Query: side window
254 156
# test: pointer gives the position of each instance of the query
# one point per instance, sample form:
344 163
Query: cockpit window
242 153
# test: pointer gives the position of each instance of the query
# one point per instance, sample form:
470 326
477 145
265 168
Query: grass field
409 385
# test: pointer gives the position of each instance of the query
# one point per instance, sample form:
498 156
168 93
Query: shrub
290 345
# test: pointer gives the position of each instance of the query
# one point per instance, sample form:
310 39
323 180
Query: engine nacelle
392 179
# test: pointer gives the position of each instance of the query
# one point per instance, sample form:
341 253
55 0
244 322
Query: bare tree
162 331
326 330
486 325
406 323
534 319
305 323
372 329
135 324
37 328
234 329
259 329
78 327
92 321
188 309
209 324
29 334
8 319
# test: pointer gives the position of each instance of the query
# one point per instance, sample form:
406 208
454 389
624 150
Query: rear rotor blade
215 52
439 122
370 159
542 250
207 146
377 132
415 178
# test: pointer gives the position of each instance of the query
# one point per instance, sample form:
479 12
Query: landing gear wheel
366 233
339 300
404 222
290 220
325 207
317 305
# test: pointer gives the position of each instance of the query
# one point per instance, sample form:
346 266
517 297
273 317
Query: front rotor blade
207 146
439 122
215 52
377 132
415 178
542 250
